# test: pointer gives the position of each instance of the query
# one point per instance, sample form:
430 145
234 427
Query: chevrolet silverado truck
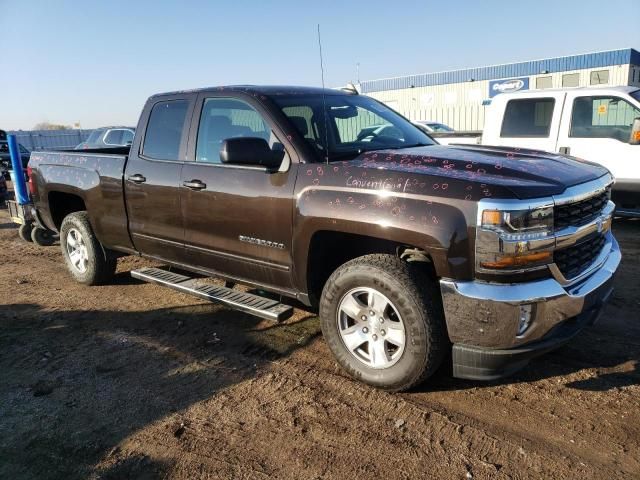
413 253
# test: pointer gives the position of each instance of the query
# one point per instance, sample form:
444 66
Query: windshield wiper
416 145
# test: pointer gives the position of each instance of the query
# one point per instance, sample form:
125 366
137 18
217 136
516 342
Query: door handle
137 178
195 185
565 150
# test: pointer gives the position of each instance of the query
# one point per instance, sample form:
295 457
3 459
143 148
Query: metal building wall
456 98
460 105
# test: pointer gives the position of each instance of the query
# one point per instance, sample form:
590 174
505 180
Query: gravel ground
131 380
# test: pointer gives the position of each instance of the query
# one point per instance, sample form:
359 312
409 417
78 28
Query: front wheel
86 259
382 319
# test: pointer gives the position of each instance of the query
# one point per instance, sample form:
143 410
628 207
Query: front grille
579 213
574 260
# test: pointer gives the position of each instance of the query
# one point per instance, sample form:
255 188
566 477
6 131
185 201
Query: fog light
525 318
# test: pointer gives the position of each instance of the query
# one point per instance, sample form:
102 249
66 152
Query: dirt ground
132 380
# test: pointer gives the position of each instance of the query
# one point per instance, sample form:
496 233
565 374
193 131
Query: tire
413 313
42 237
24 232
86 259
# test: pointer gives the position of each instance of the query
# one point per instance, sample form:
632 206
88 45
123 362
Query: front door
599 129
238 219
152 179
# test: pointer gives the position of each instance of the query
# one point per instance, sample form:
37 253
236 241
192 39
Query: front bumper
483 318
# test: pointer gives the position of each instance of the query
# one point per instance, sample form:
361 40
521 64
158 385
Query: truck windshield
636 95
353 124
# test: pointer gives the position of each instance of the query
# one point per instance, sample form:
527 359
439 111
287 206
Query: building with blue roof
459 97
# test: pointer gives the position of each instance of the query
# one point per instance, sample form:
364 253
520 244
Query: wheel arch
328 249
62 203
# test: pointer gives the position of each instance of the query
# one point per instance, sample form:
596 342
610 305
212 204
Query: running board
246 302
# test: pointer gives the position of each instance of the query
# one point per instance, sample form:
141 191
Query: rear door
152 178
527 122
238 219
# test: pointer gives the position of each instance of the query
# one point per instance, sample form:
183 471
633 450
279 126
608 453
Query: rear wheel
383 321
24 232
86 259
42 237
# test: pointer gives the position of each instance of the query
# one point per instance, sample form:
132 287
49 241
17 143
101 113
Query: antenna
324 103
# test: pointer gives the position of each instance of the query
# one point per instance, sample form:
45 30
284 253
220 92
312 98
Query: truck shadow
77 384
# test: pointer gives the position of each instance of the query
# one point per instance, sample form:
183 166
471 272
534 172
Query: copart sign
508 85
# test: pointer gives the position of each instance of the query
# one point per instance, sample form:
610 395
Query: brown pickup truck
412 252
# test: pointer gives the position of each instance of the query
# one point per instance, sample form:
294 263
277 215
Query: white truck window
602 117
529 117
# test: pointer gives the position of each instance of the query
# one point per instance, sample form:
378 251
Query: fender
410 219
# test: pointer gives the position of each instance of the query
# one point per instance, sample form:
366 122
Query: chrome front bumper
482 319
486 315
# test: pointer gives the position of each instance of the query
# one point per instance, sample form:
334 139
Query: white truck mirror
635 132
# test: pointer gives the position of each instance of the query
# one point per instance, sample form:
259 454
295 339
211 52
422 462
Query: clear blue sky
96 62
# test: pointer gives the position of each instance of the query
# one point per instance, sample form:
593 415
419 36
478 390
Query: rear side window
529 117
164 130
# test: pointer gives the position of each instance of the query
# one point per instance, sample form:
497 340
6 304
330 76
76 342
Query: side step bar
247 302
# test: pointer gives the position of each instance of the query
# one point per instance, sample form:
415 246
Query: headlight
514 240
519 224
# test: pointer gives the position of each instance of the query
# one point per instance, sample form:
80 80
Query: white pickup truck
601 125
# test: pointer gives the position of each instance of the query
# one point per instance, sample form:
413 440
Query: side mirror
250 151
635 132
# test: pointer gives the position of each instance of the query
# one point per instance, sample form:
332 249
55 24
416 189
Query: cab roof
266 90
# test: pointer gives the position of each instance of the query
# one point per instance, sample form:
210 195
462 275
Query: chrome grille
580 213
574 260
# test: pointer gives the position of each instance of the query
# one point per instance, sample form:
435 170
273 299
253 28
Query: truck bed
93 177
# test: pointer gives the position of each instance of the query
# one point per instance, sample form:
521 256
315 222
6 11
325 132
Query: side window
571 80
302 119
113 137
164 130
224 118
602 117
599 77
529 117
544 82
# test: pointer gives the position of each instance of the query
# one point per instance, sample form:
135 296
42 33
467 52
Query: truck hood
483 171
